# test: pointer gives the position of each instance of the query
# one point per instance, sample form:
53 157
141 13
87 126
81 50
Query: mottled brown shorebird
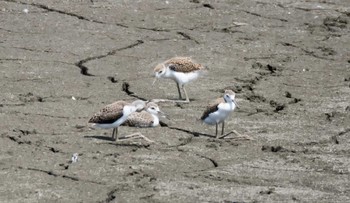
219 110
115 114
180 69
149 117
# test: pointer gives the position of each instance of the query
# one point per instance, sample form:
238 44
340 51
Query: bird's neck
168 73
155 120
231 104
128 109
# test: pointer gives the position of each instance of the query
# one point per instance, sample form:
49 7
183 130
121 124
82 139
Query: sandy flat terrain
288 61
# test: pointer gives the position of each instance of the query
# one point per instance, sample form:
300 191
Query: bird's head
153 108
229 96
159 71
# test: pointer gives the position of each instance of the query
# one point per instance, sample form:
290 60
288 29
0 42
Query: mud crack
326 51
39 114
19 140
110 196
188 37
16 139
154 29
59 175
42 6
263 71
213 161
344 132
84 69
261 16
206 5
125 88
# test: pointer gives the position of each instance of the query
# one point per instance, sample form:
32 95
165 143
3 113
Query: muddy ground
288 61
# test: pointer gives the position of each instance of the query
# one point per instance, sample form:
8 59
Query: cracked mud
288 62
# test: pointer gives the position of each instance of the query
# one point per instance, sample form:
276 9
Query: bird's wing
212 107
141 119
183 64
109 113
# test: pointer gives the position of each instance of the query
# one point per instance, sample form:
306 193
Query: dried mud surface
288 61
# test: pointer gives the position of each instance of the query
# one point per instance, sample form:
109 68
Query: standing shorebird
180 69
219 110
144 119
115 114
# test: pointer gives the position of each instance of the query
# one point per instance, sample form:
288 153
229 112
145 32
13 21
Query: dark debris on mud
30 97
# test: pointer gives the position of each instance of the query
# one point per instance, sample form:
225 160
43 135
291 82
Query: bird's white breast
155 121
224 110
183 78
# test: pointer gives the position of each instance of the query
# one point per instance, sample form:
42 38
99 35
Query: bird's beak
164 115
154 81
234 101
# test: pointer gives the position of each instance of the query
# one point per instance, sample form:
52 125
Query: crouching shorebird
219 110
115 114
180 69
149 117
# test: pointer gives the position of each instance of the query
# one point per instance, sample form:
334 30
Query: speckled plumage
180 69
109 113
145 118
183 64
115 114
141 119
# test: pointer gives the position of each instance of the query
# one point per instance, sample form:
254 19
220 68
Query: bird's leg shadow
238 136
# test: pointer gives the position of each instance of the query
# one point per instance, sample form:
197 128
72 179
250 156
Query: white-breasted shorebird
219 110
115 114
180 69
149 117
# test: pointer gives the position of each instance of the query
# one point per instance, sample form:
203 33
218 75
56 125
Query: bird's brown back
109 113
183 64
139 119
212 107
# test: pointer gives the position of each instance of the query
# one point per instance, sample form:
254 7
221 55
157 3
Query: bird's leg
179 91
216 130
175 101
113 133
136 135
187 99
223 128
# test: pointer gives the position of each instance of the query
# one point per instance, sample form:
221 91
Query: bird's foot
135 136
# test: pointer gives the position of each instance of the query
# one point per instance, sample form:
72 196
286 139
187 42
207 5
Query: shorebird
219 110
115 114
149 117
180 69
